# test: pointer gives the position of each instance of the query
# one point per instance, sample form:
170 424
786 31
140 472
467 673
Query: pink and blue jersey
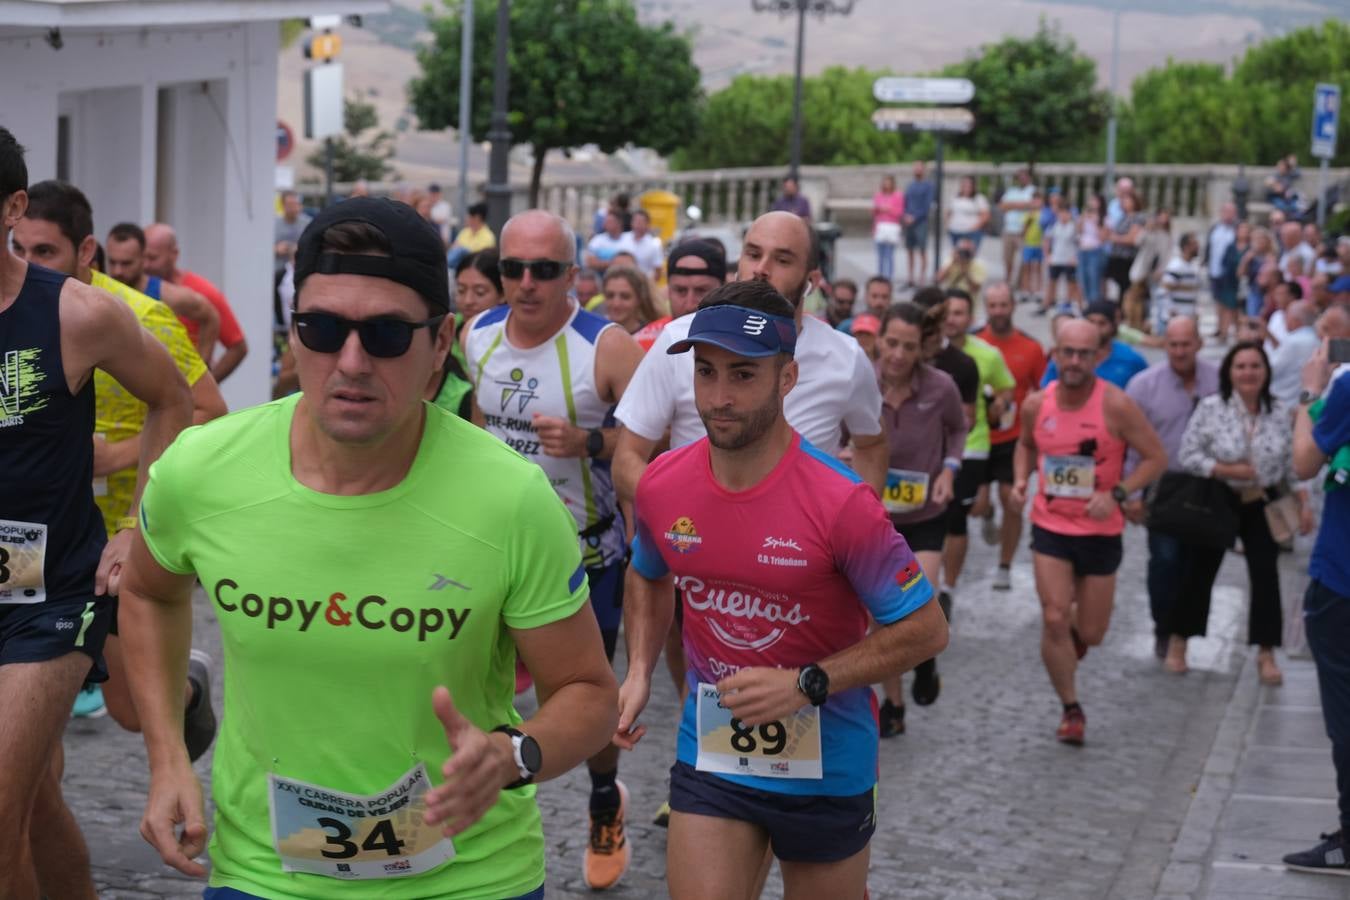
783 574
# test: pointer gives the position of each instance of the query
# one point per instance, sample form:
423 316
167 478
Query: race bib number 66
782 749
328 832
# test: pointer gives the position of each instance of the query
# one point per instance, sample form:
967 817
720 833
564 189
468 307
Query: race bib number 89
327 832
1070 476
783 749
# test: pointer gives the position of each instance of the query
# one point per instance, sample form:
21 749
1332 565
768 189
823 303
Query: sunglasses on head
540 269
382 337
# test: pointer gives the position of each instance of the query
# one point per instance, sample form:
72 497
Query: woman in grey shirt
925 428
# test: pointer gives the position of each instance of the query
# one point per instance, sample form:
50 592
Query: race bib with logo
23 551
784 749
1070 476
327 832
905 490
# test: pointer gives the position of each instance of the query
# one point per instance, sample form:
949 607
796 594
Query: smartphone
1339 352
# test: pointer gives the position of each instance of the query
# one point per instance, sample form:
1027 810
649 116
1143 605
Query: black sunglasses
541 269
382 337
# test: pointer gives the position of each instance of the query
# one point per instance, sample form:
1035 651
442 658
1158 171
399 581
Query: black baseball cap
708 252
416 260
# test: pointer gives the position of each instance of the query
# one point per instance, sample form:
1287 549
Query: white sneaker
990 530
1002 579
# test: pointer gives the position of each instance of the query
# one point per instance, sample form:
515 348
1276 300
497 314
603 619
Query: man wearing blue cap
782 555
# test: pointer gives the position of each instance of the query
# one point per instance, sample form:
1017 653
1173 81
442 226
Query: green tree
1274 86
582 72
749 123
1182 112
356 154
1035 98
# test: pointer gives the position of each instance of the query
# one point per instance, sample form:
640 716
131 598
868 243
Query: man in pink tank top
1074 434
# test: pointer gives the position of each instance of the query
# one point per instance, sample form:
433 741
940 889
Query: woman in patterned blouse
1243 437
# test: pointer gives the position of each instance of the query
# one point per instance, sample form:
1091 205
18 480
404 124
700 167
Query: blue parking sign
1326 112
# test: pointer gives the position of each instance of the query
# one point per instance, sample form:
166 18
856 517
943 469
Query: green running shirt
993 371
338 617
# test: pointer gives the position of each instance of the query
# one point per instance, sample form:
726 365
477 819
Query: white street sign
923 90
948 119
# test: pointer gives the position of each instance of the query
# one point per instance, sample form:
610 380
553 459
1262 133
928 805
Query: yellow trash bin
664 208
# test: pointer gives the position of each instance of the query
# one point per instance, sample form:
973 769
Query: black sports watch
595 442
814 683
1118 493
529 758
1306 396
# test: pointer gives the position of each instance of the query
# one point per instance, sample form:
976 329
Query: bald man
1074 435
161 261
1167 392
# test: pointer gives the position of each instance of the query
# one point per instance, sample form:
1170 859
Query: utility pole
821 8
465 104
1111 122
499 163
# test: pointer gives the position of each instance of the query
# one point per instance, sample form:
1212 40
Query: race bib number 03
788 749
23 552
327 832
905 491
1070 476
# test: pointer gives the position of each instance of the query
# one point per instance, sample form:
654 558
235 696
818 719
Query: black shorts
1057 272
926 535
966 486
1000 463
37 632
606 585
808 829
1091 554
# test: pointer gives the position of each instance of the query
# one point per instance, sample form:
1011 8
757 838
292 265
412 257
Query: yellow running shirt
118 415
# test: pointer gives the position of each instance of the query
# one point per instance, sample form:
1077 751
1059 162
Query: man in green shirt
996 392
371 608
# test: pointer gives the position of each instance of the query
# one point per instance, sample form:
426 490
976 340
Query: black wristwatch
529 758
814 683
1306 396
1118 493
595 442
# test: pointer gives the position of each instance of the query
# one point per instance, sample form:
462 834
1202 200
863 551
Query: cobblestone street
977 799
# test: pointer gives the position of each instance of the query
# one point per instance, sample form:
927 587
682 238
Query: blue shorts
1032 254
606 584
38 632
225 893
808 829
916 234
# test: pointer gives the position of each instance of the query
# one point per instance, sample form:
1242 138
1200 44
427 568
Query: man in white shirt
1293 246
837 388
1286 365
605 245
643 245
1016 201
1180 283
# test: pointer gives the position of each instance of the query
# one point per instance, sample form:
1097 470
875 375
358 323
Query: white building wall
219 173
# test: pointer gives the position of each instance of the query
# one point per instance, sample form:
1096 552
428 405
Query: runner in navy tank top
55 569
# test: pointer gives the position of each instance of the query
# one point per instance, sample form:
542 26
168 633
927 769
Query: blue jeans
224 893
975 237
1255 300
1326 617
886 260
1091 265
1166 561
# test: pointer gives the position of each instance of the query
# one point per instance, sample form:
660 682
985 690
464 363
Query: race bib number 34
23 552
327 832
1070 476
785 749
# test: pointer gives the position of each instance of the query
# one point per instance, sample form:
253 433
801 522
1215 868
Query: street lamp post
821 8
499 162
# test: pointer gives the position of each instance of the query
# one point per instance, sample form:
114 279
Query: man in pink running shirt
780 553
1074 434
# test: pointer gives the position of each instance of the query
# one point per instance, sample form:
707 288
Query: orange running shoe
607 853
1072 727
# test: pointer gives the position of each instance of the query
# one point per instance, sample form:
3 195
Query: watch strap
517 738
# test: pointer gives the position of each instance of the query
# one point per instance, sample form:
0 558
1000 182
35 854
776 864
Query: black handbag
1194 509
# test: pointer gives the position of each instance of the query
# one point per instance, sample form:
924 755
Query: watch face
530 754
815 683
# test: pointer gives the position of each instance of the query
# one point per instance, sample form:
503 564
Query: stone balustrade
843 193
